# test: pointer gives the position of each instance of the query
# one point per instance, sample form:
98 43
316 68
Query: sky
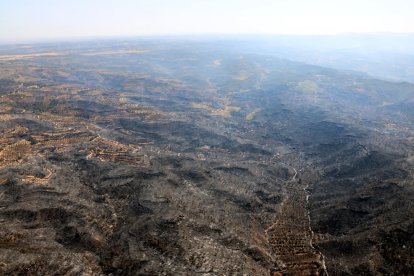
55 19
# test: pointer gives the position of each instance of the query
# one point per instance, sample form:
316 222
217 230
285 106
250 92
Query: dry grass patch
308 86
116 52
251 115
217 62
225 111
241 76
24 56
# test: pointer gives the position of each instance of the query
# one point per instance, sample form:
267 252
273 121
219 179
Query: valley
173 157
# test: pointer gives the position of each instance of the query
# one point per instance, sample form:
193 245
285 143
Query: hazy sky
39 19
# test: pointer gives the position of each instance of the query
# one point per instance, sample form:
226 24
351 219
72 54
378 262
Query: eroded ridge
290 236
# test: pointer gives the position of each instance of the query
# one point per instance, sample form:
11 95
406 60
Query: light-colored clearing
23 56
242 76
225 111
251 115
308 86
116 52
217 62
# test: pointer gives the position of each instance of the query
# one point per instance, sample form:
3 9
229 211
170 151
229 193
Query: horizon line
85 38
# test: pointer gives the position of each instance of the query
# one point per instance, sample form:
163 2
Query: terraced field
291 236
